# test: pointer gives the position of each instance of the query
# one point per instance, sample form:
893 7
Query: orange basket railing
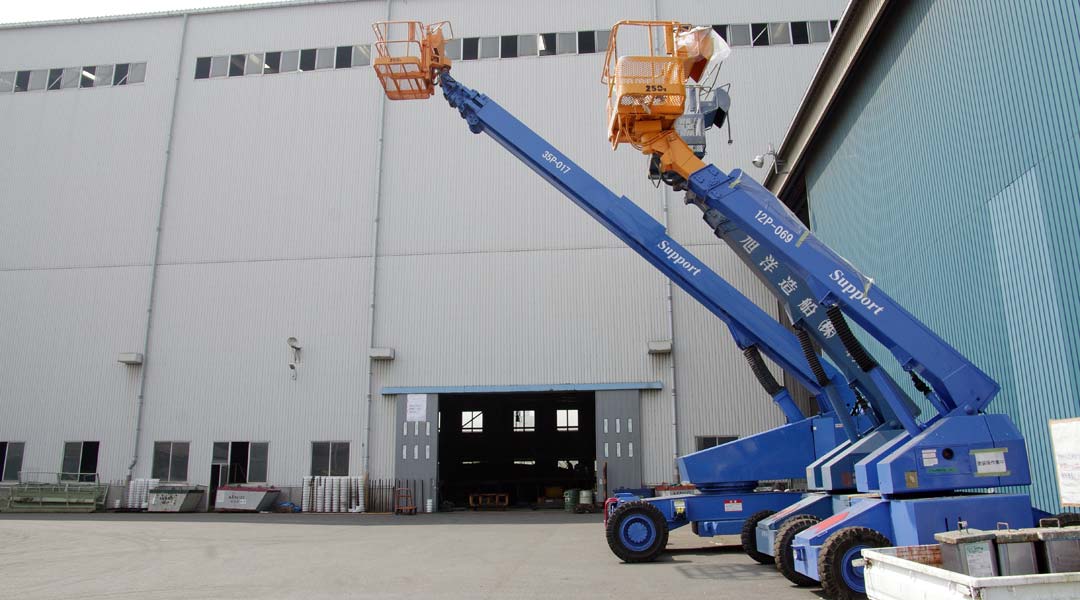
409 56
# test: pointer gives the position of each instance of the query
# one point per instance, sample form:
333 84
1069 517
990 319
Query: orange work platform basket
409 55
646 89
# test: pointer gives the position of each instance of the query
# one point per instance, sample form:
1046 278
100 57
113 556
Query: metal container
893 577
1061 549
968 551
1018 551
247 499
570 499
175 498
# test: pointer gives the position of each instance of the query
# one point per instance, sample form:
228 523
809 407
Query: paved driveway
544 554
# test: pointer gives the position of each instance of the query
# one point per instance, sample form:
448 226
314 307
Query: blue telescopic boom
749 325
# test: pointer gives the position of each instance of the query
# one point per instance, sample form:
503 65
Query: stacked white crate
138 493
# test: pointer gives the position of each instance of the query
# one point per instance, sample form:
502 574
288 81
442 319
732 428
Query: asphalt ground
516 554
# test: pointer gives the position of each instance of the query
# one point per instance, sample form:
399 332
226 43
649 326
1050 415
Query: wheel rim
637 532
853 575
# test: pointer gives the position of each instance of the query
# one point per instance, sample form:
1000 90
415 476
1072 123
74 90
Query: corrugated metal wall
950 174
485 276
81 172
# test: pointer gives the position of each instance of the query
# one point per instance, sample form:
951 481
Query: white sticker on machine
732 505
929 457
990 462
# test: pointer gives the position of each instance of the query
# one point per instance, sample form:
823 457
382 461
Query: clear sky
17 11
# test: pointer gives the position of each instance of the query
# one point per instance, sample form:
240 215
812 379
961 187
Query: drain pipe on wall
670 324
671 356
141 399
373 272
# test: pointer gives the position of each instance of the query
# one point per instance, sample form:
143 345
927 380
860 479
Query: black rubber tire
832 553
748 536
615 522
782 553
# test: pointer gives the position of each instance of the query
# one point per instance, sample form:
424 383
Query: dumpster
237 498
176 498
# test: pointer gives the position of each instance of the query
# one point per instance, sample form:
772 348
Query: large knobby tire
748 536
783 552
637 532
840 579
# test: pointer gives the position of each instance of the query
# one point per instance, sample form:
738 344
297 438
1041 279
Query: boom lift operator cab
885 475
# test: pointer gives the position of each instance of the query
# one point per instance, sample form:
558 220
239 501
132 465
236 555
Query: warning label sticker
929 457
990 462
732 505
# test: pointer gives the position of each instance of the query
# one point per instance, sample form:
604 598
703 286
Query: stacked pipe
332 494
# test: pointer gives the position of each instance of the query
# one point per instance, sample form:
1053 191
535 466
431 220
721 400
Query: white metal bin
890 577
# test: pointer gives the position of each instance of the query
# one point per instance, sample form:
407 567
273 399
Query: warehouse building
938 149
225 258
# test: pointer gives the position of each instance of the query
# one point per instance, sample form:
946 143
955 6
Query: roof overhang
849 40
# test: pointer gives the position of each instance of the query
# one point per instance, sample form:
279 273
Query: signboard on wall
1065 441
416 408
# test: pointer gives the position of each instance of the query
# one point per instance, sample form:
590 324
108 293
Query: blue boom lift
897 478
728 474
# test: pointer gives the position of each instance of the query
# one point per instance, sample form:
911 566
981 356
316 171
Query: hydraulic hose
811 356
764 376
920 385
851 344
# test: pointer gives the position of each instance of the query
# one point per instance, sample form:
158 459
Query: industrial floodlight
293 343
778 163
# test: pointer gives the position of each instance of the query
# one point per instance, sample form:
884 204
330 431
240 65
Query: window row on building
233 462
282 61
62 78
500 46
784 33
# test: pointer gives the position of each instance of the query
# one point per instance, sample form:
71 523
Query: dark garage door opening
516 444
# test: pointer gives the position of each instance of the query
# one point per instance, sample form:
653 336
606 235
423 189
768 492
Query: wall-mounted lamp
294 348
778 163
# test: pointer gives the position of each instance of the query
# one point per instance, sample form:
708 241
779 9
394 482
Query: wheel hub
852 569
638 533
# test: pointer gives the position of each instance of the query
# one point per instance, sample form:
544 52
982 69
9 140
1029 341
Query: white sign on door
416 407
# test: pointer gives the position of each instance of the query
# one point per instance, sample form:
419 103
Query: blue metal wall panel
950 172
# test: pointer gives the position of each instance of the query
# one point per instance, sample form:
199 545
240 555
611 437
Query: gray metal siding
83 167
949 174
484 275
62 332
220 362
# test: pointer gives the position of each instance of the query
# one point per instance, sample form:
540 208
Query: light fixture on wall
294 348
778 163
